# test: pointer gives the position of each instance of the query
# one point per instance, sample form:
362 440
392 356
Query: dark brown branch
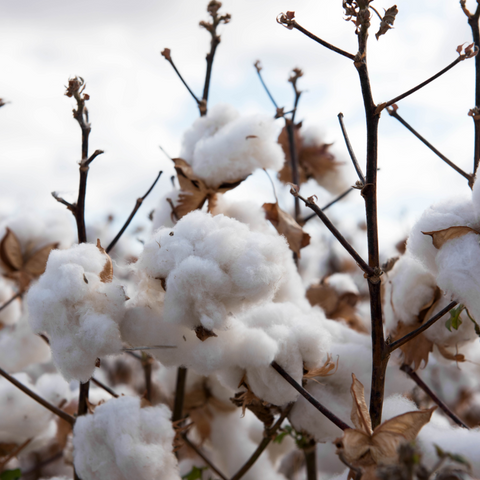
409 371
332 417
329 204
147 362
8 302
167 54
289 125
421 85
402 341
356 165
203 457
83 398
57 411
179 394
293 24
258 68
138 204
59 199
393 113
269 435
92 157
361 263
105 387
310 453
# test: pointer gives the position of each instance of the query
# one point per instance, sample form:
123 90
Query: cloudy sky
137 103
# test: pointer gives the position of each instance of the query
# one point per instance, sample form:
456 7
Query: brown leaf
286 225
456 357
387 21
441 236
37 263
317 162
360 416
106 275
324 371
11 251
202 333
416 350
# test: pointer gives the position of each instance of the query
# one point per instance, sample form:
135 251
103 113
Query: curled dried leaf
37 263
11 251
360 416
106 275
456 357
387 21
324 371
202 333
440 237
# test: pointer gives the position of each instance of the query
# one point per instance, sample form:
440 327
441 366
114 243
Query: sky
137 103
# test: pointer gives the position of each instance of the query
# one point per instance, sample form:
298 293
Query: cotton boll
53 388
408 288
123 441
20 347
224 147
9 315
453 212
78 311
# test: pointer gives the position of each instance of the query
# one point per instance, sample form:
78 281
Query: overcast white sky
137 102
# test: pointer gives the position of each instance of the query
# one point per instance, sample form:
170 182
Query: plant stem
138 204
409 371
361 263
258 68
393 346
147 362
269 435
289 125
8 302
203 457
57 411
310 453
356 165
179 394
105 387
329 204
393 113
332 417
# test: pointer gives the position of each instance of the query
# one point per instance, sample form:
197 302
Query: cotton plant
79 305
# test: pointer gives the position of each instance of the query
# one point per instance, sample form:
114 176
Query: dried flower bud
166 53
287 20
257 65
75 85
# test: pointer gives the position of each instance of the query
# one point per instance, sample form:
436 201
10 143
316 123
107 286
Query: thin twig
138 204
361 263
269 435
70 206
179 394
105 387
14 453
393 113
258 68
356 165
329 204
203 457
145 347
8 302
165 153
57 411
393 346
421 85
294 24
409 371
167 54
332 417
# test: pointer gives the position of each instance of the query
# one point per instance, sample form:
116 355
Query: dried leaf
261 409
202 333
37 263
457 357
360 416
286 225
387 21
323 371
416 350
441 236
106 275
11 251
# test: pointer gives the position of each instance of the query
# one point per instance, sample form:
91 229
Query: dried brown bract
387 21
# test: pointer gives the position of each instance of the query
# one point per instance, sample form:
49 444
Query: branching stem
329 204
356 165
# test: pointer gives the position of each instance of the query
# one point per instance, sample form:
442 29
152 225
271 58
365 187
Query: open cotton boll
20 347
213 266
450 213
77 310
224 147
408 288
9 315
458 263
122 441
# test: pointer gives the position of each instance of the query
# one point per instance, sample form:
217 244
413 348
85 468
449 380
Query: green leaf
454 321
459 459
194 474
280 437
11 474
440 452
477 327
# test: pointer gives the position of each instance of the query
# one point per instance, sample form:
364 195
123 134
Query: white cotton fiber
122 441
162 216
224 147
79 312
408 288
9 315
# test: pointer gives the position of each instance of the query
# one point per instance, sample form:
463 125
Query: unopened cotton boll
78 311
123 441
224 147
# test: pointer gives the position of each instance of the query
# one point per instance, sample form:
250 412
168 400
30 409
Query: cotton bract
77 310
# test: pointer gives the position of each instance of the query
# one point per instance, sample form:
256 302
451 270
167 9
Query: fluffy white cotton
79 312
213 266
123 441
224 147
9 315
408 288
20 347
343 283
162 216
